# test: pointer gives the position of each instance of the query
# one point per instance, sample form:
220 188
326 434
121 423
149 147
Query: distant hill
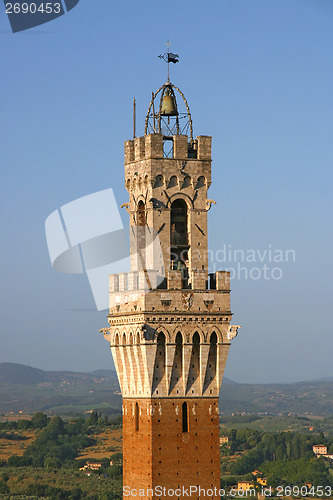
14 373
301 398
27 389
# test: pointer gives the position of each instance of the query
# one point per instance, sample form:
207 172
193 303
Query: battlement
151 147
150 280
134 293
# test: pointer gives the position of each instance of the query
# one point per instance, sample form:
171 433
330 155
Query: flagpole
134 118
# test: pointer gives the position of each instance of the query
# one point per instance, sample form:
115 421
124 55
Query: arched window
186 182
201 182
173 182
159 181
185 417
179 223
140 234
136 416
141 214
179 237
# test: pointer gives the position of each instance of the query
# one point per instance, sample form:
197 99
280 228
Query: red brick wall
159 453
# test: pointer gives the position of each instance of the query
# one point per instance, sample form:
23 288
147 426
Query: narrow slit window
136 415
185 417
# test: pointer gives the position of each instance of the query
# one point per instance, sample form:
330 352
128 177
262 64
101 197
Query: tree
273 480
321 438
52 462
39 420
319 473
280 452
4 487
93 418
55 427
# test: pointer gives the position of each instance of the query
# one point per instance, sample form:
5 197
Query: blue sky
258 76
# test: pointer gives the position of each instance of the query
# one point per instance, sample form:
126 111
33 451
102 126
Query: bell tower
169 321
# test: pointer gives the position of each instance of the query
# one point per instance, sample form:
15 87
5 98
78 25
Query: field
279 423
65 479
108 442
15 446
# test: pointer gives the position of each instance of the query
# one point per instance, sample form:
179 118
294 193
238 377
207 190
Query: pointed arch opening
177 367
194 370
210 376
159 367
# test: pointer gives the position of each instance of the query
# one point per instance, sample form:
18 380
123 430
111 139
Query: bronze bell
168 105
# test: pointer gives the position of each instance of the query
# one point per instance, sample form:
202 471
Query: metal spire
168 44
169 57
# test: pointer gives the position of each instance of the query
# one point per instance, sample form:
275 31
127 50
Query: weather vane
169 57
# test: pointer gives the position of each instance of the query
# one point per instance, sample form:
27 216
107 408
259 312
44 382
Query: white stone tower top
169 320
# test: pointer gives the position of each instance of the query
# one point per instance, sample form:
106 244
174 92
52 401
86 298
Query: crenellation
139 148
133 277
175 279
113 283
180 146
199 279
142 282
204 147
123 282
154 146
223 280
129 151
